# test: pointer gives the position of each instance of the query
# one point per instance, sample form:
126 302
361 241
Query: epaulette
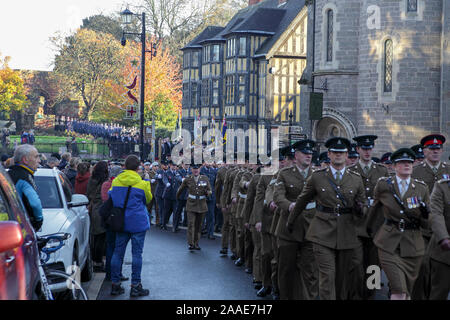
444 180
353 172
320 170
420 181
286 169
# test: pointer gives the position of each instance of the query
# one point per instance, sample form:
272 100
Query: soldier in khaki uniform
430 171
440 241
403 201
365 254
228 233
297 270
339 195
238 195
249 224
418 150
199 189
218 187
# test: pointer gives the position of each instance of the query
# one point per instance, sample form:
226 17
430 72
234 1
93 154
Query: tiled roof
209 32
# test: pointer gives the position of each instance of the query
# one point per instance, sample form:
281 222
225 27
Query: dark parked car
19 256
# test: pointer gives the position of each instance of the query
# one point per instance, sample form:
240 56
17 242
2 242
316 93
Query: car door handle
9 260
28 244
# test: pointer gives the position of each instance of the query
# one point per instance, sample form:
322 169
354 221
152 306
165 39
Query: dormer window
195 61
216 53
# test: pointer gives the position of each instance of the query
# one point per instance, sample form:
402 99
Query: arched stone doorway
333 124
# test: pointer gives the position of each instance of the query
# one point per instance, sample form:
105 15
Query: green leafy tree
12 90
85 62
105 24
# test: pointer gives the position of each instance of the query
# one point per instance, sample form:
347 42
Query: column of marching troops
308 232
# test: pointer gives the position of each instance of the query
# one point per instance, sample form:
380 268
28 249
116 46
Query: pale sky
27 25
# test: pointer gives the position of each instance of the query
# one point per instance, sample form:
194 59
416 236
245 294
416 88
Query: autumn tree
162 89
12 91
85 62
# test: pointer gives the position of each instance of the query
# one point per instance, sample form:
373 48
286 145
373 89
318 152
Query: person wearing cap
440 240
340 197
266 220
160 186
418 150
171 181
353 155
249 224
199 189
238 196
386 161
297 270
153 183
366 253
403 202
181 203
228 233
432 170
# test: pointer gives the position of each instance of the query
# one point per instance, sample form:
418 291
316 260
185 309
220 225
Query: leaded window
242 46
205 93
412 6
206 53
215 88
230 90
185 94
241 89
330 26
216 53
194 95
195 61
388 61
186 60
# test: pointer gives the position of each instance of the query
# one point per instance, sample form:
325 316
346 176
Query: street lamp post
127 16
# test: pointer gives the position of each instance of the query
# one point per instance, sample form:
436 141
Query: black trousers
169 208
98 247
177 216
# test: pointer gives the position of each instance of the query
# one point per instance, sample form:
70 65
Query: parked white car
65 212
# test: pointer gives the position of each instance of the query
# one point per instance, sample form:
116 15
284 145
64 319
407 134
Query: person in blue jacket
136 224
27 160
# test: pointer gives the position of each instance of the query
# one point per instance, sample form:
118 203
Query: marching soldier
228 230
403 201
431 171
160 190
249 223
198 190
181 203
418 150
353 155
218 187
366 253
297 272
386 161
339 194
440 240
324 160
238 196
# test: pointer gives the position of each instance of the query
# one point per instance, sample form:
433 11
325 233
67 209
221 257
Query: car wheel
88 270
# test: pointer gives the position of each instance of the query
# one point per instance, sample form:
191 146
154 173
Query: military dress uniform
425 172
228 231
365 254
199 189
440 225
339 196
399 240
249 217
247 240
218 187
297 270
264 215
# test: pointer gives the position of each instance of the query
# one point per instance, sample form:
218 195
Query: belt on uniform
401 225
337 210
243 196
196 197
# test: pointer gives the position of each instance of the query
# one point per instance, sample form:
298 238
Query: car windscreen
48 192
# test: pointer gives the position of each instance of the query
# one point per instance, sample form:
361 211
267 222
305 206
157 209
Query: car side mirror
78 200
11 236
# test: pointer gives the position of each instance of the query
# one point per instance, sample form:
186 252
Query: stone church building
383 67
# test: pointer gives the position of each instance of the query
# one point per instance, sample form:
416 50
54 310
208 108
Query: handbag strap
126 198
